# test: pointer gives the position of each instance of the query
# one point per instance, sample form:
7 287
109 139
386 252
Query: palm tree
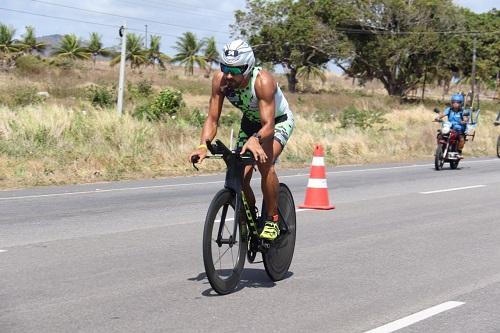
189 48
95 47
154 54
135 53
29 42
211 54
7 42
308 72
70 47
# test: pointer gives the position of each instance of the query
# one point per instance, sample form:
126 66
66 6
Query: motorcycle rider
458 117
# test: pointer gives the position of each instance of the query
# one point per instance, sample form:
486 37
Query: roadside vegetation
58 122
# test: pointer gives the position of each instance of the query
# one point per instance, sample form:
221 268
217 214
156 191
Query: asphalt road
407 248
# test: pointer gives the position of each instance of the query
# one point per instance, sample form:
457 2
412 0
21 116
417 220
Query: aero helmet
238 54
457 98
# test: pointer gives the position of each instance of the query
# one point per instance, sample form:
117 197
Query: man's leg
270 182
247 189
461 143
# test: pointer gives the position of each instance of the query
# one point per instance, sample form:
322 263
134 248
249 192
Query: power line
88 22
206 12
180 5
58 17
123 16
77 20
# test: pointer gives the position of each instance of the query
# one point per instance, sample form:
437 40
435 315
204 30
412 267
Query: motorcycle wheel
438 158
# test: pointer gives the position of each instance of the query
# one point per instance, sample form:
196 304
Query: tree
70 47
155 56
397 42
211 55
189 48
9 48
134 52
291 33
29 42
7 42
312 71
95 48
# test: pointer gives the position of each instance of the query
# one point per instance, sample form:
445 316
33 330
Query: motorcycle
447 145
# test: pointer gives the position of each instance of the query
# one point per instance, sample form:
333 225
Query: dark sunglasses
236 70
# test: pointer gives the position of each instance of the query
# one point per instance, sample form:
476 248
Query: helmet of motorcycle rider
238 53
457 98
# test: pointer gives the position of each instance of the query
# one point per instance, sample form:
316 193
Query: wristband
202 146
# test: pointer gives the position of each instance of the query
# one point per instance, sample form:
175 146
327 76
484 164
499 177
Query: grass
64 139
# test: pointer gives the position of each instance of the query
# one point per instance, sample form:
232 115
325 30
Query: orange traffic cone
317 190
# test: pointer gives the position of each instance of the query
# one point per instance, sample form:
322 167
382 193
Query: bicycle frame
234 181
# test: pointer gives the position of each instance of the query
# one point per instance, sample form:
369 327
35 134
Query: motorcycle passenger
458 117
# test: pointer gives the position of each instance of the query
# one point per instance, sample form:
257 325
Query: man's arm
214 110
265 89
210 126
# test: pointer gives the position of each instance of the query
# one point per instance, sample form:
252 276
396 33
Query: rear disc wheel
278 257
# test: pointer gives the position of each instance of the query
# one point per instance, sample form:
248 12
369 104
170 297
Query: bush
197 118
166 103
352 117
143 88
101 96
20 96
28 64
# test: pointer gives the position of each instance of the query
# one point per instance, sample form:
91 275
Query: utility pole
146 38
123 35
473 80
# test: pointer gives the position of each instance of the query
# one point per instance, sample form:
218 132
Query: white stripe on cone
316 183
318 161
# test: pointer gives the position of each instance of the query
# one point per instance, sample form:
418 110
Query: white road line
108 190
3 251
453 189
213 182
416 317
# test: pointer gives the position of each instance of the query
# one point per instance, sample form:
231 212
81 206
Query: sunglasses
236 70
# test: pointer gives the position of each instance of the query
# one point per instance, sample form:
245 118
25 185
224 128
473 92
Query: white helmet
238 53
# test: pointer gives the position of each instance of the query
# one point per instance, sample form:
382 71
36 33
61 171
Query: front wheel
439 158
498 146
278 257
224 248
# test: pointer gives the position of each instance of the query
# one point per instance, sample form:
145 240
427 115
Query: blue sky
168 18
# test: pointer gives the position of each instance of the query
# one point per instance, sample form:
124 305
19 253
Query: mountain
52 41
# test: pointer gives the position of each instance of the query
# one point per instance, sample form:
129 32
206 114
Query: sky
167 18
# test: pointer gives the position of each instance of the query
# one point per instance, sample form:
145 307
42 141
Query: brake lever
194 160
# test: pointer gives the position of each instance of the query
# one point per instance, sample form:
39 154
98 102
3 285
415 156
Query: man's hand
254 146
198 155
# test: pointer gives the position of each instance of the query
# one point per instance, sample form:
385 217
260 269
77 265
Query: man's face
233 76
456 105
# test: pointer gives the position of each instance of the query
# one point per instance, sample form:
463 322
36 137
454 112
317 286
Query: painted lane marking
213 182
3 251
453 189
416 317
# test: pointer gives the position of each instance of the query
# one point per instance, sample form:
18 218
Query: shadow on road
250 278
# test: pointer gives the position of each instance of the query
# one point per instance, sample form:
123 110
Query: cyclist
458 117
266 125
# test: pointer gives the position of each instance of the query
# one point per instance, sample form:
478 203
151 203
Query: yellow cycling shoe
271 231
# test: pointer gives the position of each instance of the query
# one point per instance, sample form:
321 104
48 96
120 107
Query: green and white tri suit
246 100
